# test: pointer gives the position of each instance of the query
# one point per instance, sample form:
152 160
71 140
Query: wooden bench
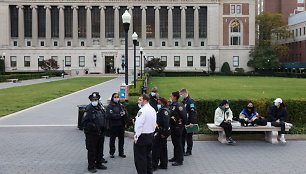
271 132
46 77
13 80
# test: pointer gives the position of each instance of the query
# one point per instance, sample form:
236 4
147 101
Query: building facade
88 35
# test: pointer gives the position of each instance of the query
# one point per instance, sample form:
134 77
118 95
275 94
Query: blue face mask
158 107
94 103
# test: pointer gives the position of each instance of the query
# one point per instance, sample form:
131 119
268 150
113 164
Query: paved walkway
45 140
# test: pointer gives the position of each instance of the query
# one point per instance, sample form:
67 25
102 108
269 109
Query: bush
206 109
239 70
2 66
27 76
225 68
139 84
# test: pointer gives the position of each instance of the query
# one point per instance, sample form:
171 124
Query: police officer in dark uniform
94 127
178 119
116 114
191 119
153 98
159 148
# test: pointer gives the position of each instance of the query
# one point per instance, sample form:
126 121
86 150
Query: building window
238 9
203 22
109 22
176 12
300 31
14 21
163 43
202 60
82 22
67 61
176 44
42 43
40 60
81 61
163 18
95 22
54 21
300 1
28 43
55 43
202 44
27 61
15 43
27 12
189 60
82 43
68 43
41 22
137 15
296 32
304 30
150 21
189 22
163 59
68 18
13 61
150 44
235 33
176 60
189 44
235 61
233 7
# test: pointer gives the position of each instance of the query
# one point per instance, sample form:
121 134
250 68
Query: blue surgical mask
94 103
158 107
153 94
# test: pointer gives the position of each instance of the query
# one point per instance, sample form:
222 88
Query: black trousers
258 121
227 129
279 124
116 131
143 154
176 137
94 146
159 152
187 137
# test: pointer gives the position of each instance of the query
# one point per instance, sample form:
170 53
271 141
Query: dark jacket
191 110
162 121
116 114
275 113
178 114
153 102
94 119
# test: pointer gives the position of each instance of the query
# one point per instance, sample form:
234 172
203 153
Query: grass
218 87
19 98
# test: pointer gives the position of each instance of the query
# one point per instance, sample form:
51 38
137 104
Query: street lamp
141 51
126 19
135 36
63 75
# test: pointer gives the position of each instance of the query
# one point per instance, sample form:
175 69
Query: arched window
235 32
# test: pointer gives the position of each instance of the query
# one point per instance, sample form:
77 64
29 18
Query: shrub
239 70
27 76
225 68
139 83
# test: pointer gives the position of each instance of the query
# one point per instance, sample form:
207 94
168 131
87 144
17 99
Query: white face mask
158 107
140 106
116 100
153 94
276 104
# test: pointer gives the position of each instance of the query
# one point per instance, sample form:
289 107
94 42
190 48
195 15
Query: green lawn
18 98
223 87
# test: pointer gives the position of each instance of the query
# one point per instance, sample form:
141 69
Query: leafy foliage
156 65
263 57
225 68
212 63
50 64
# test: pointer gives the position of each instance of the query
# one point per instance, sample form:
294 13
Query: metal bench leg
222 137
271 136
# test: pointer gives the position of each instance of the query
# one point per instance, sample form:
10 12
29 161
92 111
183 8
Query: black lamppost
135 36
3 58
126 19
63 68
208 64
141 51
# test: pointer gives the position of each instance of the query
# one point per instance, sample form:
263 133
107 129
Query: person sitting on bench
223 118
249 116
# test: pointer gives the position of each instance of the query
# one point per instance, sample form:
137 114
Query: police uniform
191 119
159 148
116 115
145 125
94 128
178 120
153 101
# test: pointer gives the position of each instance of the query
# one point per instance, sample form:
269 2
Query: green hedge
27 76
139 83
206 109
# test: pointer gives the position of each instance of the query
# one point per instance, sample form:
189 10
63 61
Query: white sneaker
283 140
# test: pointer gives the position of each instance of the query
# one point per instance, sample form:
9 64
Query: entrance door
109 64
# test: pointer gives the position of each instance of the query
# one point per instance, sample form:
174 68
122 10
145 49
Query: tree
212 64
156 65
2 66
264 57
225 68
49 64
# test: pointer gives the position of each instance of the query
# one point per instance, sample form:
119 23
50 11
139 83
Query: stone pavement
45 140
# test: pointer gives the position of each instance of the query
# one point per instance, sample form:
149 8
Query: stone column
143 26
75 26
61 26
157 28
196 26
102 26
131 30
170 26
20 26
183 26
88 26
48 25
116 26
34 26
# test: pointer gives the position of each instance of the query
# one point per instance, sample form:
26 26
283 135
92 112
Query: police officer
153 98
159 148
191 119
116 114
178 119
144 129
94 126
